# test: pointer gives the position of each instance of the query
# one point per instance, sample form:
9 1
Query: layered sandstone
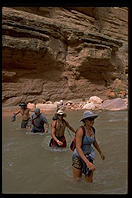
54 53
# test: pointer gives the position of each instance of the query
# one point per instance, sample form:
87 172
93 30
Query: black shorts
24 123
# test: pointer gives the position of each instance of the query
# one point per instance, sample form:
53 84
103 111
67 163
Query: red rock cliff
54 53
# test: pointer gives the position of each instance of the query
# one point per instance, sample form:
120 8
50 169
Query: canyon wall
53 53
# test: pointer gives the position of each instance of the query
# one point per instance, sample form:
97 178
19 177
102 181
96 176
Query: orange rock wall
52 53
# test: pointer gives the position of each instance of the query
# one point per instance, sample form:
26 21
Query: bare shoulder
79 132
54 123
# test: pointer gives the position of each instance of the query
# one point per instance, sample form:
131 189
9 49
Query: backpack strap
35 119
55 121
93 129
64 121
73 143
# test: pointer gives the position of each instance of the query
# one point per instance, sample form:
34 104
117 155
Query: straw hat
88 114
60 112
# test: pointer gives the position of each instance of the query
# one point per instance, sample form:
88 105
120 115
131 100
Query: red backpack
73 143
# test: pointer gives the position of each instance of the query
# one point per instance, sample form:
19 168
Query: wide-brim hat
60 112
88 114
22 104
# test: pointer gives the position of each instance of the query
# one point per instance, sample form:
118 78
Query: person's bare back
25 113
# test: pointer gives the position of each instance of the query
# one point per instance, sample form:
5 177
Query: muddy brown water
30 166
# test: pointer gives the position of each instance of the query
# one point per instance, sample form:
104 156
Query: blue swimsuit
88 152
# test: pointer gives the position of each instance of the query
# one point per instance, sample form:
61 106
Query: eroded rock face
56 53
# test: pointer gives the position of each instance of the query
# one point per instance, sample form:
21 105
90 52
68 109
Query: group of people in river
83 153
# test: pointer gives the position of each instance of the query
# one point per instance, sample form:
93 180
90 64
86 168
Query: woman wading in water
58 130
84 154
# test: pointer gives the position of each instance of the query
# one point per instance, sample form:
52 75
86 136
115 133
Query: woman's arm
68 125
79 135
98 149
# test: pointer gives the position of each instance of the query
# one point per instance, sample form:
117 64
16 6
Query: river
30 166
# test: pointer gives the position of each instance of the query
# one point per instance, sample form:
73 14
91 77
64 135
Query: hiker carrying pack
84 154
73 143
38 120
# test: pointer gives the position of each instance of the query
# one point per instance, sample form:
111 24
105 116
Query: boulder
125 101
48 102
31 106
46 107
89 106
95 100
114 104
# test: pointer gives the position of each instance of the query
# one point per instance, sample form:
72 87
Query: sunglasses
90 119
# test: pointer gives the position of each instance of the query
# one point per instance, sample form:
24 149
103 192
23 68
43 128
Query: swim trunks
78 163
53 143
24 123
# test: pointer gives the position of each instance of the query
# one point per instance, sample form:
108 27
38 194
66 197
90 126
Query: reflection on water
31 166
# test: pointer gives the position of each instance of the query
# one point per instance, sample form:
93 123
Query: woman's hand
102 156
59 143
91 166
